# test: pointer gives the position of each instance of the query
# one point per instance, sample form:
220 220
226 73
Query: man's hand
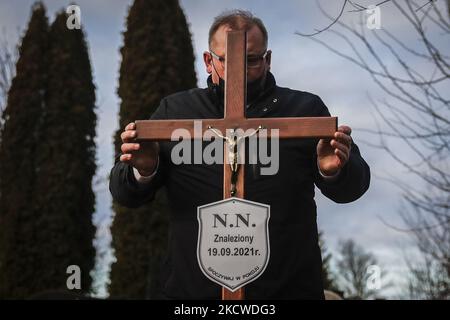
333 155
143 156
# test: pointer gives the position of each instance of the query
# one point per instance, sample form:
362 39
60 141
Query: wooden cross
234 118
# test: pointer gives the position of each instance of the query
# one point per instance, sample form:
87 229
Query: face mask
254 88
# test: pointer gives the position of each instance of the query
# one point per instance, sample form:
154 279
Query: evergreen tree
65 163
18 149
157 60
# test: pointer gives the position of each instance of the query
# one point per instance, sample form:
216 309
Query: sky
298 63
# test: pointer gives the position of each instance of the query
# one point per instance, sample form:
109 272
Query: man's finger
125 157
345 129
129 147
343 138
337 145
341 155
128 135
130 126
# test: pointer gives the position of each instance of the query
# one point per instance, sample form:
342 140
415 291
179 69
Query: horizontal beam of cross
304 127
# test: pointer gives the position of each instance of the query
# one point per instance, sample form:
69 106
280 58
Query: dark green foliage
157 60
48 162
66 161
18 252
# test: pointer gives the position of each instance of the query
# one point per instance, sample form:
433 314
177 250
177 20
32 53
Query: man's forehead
219 38
255 38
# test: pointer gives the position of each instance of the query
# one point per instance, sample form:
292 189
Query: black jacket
294 269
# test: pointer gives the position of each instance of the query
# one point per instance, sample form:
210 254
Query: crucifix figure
234 118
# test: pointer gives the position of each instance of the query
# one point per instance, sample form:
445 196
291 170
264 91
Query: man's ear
208 63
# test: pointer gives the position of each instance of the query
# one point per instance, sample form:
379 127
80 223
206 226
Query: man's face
255 48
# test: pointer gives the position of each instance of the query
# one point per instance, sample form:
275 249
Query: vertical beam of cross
235 86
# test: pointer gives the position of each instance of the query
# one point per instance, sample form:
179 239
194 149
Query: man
335 167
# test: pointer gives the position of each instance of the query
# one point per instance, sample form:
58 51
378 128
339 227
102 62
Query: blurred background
72 76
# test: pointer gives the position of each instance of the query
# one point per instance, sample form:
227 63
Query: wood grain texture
235 74
305 127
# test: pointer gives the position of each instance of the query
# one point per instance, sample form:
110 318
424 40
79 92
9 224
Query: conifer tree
157 60
18 149
65 163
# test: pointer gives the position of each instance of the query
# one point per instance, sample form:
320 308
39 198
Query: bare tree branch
353 267
327 27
